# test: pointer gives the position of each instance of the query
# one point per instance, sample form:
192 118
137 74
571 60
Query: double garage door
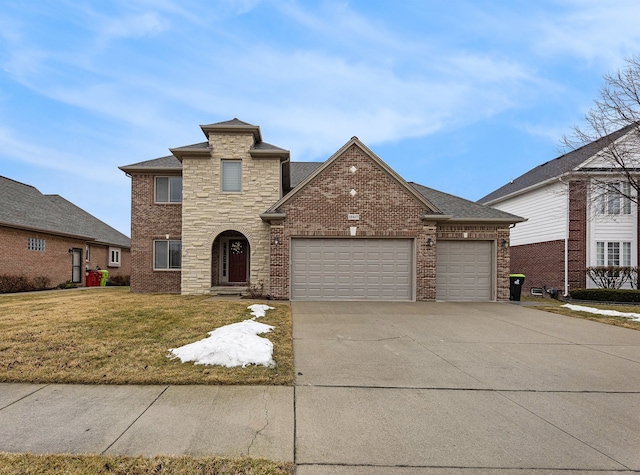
383 269
352 269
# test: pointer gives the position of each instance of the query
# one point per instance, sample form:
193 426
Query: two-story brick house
235 211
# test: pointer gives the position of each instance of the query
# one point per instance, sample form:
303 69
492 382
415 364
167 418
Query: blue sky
461 95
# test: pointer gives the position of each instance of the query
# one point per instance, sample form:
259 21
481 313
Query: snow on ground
608 313
237 344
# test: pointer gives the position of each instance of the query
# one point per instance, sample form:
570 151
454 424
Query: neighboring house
576 218
47 236
234 211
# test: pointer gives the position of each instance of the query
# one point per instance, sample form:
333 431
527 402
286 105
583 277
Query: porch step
230 291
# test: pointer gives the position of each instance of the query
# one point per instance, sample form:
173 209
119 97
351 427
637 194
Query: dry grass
28 464
111 336
555 306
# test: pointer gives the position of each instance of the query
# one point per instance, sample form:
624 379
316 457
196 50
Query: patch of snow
232 345
259 310
608 313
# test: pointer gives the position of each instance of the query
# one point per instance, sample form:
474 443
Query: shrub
119 280
20 283
606 295
67 285
610 277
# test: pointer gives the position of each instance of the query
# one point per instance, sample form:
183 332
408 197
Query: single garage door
463 270
351 269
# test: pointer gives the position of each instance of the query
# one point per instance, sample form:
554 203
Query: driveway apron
435 388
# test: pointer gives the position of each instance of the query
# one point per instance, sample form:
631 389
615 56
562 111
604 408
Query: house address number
353 217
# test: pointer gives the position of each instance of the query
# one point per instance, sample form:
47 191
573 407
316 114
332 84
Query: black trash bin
515 287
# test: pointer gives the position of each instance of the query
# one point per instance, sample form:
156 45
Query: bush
119 280
67 285
610 277
606 295
20 283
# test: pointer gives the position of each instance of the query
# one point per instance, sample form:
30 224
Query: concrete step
229 290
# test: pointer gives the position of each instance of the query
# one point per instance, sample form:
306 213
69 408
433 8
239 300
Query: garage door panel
464 270
352 269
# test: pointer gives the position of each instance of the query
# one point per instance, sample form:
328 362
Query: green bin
105 276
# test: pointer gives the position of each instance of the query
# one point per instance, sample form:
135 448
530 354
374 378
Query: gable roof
464 210
319 169
553 168
23 206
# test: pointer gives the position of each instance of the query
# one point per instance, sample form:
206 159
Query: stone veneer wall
321 209
207 212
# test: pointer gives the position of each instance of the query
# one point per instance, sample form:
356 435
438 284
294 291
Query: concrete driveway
443 388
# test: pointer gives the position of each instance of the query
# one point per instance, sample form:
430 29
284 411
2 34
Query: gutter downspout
566 242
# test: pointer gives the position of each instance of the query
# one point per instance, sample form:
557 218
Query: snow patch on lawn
608 313
237 344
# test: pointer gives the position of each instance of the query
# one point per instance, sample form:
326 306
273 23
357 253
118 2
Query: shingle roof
233 122
23 206
169 163
554 168
301 170
459 208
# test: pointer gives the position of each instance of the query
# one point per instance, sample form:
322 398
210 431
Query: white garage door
463 270
351 269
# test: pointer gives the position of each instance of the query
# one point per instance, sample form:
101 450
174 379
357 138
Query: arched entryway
230 263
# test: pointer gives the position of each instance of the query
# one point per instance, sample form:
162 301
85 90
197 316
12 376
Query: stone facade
208 212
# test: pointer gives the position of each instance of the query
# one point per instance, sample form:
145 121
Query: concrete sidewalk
381 388
256 421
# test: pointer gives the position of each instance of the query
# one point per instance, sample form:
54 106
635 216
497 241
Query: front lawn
111 336
556 306
29 464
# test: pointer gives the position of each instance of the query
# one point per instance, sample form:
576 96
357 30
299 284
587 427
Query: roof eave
130 170
188 152
47 231
275 153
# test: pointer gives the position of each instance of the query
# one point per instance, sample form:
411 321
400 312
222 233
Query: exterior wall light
429 242
276 240
505 244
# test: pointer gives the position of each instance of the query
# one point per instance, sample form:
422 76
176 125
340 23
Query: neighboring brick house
576 217
47 236
234 211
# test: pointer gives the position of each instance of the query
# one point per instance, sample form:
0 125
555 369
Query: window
114 257
612 198
87 253
168 189
231 176
167 255
617 253
35 244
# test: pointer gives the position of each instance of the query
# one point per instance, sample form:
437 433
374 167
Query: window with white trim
36 244
613 253
231 176
612 198
167 255
114 257
168 189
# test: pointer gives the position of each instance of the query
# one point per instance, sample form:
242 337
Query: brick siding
151 221
577 245
542 263
54 262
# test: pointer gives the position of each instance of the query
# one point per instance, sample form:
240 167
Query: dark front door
238 254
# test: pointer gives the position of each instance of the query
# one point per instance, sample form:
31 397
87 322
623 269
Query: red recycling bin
93 278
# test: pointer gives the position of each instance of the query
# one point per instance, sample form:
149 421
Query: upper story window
231 176
612 198
114 257
613 253
168 189
35 244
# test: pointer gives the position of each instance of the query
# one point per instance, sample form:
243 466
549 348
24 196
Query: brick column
577 254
